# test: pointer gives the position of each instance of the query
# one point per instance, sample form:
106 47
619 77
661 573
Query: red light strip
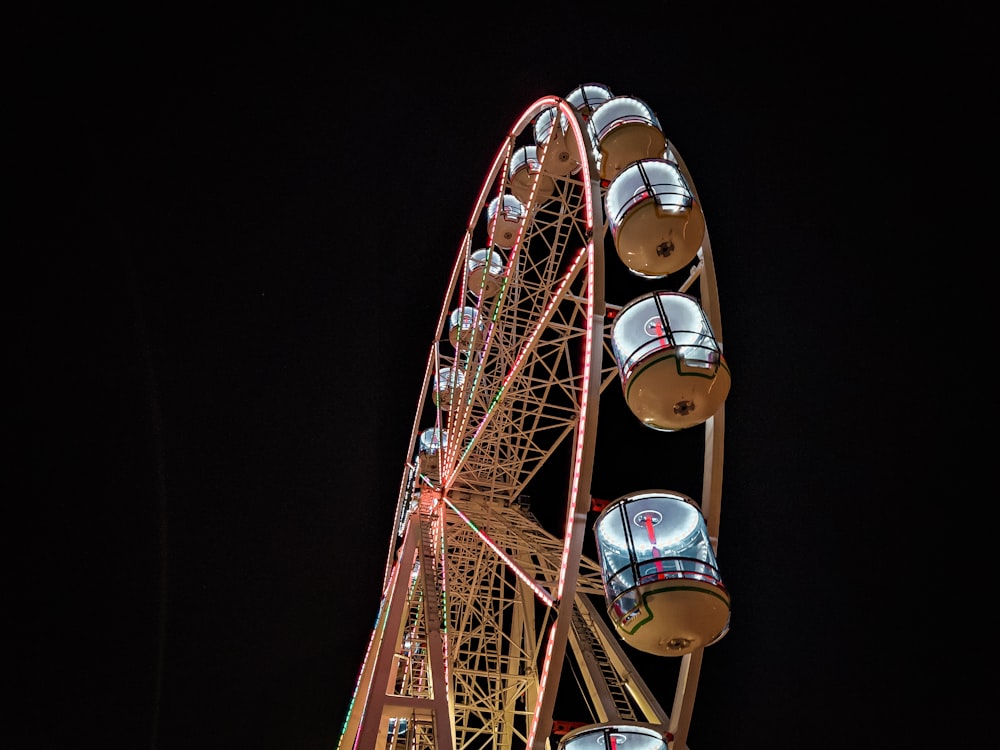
544 596
581 423
526 348
568 536
500 161
442 549
371 641
574 490
652 540
542 682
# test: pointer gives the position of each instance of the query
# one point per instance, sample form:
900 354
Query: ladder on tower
610 688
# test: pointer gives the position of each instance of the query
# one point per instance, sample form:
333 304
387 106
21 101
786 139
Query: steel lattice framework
480 602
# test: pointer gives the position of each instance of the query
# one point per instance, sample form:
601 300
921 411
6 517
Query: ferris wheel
491 619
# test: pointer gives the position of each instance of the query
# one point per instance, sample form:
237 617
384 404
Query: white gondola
524 169
504 218
655 220
465 330
447 385
662 585
672 370
484 272
619 735
623 130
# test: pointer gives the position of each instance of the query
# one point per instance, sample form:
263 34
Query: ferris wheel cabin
616 736
503 220
484 272
657 225
447 384
671 367
465 329
661 580
429 446
624 130
524 166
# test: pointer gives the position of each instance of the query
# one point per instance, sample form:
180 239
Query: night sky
240 229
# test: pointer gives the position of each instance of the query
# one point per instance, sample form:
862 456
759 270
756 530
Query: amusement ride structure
490 618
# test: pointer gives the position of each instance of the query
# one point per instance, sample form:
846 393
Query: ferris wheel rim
589 263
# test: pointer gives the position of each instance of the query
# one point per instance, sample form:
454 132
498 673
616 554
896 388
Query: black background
239 228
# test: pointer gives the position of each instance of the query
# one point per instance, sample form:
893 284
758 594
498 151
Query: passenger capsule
522 173
432 441
563 155
623 130
503 220
447 386
588 97
662 585
656 223
465 330
671 367
620 735
484 270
